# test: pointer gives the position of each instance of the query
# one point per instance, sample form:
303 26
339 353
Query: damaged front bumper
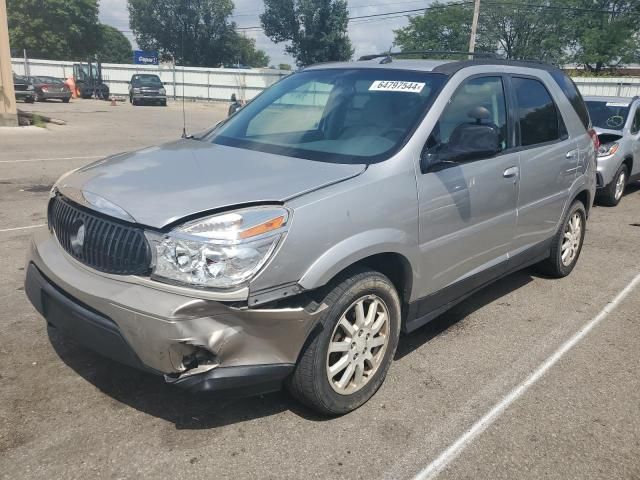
198 344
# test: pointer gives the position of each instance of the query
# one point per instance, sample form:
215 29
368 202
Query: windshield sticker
396 86
614 104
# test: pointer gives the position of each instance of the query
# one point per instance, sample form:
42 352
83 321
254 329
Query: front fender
353 249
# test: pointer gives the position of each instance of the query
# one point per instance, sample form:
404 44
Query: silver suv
617 121
296 240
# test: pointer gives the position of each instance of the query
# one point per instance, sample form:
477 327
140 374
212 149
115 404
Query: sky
367 36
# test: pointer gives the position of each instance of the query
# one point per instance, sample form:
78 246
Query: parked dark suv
146 88
296 240
24 89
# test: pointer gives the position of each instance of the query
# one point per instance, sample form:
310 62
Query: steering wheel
615 121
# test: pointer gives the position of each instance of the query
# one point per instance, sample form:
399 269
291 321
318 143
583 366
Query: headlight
136 90
221 251
162 91
608 149
29 87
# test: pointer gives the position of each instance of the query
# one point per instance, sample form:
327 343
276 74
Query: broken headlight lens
608 149
221 251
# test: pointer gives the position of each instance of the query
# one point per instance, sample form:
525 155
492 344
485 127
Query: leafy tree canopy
315 29
193 32
114 46
54 29
596 33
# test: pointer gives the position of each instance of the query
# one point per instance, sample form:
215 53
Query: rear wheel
66 100
345 364
567 243
612 193
39 98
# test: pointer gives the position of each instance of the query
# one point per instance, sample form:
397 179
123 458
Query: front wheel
612 194
567 243
347 361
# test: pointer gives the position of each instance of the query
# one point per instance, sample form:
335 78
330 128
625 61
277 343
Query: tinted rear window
573 95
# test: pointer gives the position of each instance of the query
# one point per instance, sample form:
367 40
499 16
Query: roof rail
388 56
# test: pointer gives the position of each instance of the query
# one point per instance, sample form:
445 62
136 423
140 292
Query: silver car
294 242
617 121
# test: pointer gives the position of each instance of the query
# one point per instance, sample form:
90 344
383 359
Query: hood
608 136
159 185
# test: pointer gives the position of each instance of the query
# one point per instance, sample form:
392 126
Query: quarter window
537 113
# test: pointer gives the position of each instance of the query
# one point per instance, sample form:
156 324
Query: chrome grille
97 240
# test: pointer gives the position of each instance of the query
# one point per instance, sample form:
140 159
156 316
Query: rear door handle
511 172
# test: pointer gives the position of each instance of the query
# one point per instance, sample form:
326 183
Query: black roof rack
388 56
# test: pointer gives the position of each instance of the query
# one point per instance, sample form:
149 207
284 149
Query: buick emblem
77 238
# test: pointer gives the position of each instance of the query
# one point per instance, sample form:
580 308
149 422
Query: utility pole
8 112
474 28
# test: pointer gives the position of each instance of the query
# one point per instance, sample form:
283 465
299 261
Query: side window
537 113
474 123
635 126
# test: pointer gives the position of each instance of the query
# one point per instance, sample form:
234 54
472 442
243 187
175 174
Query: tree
607 36
193 32
54 29
441 28
114 46
518 29
315 29
248 54
522 30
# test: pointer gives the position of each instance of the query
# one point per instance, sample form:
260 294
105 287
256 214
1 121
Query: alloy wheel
572 239
358 345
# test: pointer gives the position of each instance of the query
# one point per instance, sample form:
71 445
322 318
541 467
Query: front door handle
571 155
511 172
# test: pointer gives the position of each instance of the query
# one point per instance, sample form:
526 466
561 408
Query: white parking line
448 455
21 228
52 159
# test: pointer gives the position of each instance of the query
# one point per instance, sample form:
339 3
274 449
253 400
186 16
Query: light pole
474 28
8 112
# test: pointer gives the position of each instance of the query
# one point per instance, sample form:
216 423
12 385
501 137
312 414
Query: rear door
548 162
467 209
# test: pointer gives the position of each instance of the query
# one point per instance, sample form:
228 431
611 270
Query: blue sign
141 57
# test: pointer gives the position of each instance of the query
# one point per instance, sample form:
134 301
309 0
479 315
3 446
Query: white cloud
373 35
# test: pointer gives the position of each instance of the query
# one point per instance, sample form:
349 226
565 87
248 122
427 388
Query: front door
467 208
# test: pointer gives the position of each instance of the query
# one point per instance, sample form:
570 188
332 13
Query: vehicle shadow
149 394
414 340
187 411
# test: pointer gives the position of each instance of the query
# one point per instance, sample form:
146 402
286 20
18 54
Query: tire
163 103
134 102
65 100
554 266
612 193
363 353
29 100
39 98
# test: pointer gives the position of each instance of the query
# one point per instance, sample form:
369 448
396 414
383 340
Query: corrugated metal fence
198 83
609 86
220 83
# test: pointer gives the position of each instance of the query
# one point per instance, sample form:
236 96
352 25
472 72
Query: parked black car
50 87
24 89
147 88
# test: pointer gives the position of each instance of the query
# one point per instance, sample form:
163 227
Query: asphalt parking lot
67 413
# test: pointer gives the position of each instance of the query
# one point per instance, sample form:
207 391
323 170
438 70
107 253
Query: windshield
147 81
346 116
608 115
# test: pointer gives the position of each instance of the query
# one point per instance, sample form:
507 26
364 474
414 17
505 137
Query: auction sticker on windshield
396 86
